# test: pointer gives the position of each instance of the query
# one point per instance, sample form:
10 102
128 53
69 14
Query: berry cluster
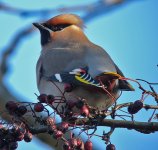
9 137
43 114
20 129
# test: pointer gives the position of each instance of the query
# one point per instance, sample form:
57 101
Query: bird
67 56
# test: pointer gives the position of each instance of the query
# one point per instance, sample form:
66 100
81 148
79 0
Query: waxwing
68 57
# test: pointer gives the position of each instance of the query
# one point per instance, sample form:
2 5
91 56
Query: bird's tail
125 86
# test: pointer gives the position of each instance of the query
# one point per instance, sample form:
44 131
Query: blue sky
129 34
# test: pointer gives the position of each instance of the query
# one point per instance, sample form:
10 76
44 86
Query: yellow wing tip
113 74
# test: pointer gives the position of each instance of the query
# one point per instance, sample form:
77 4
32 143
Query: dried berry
19 132
135 107
50 99
51 129
11 106
28 137
14 131
42 98
130 109
110 147
138 104
88 145
20 137
84 111
63 126
58 134
50 121
38 107
79 143
21 110
73 142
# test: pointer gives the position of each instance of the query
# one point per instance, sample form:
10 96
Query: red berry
66 146
84 111
42 98
20 137
68 88
18 132
135 107
73 142
50 99
110 147
79 143
1 126
28 137
64 126
88 145
38 107
11 106
50 121
21 110
58 134
51 129
130 109
138 104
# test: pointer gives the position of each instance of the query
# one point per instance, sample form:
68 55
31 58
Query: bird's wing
64 77
109 76
88 80
75 78
101 64
98 61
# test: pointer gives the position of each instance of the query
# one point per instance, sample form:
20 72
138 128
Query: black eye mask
55 28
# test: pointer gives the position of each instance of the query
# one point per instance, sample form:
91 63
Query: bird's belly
93 98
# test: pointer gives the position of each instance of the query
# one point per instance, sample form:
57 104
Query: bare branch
146 126
101 6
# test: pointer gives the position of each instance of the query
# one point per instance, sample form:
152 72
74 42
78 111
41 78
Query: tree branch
139 126
149 126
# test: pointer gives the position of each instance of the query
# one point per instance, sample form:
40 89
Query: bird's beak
41 27
38 25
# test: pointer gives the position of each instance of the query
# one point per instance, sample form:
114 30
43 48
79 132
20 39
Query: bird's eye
58 27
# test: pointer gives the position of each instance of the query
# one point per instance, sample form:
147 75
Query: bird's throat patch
45 37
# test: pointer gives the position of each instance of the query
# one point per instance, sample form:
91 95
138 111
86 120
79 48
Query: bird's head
60 28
